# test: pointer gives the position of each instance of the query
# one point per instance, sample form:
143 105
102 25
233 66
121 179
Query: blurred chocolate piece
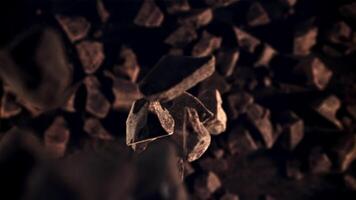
91 55
213 101
319 162
339 33
56 137
349 11
181 37
206 184
238 103
292 130
257 15
304 40
226 61
8 106
328 108
293 170
215 81
246 41
148 121
177 6
206 45
93 127
96 103
76 28
196 136
129 68
196 18
266 56
259 117
350 182
149 15
220 3
345 151
102 11
240 142
180 73
69 105
125 93
229 196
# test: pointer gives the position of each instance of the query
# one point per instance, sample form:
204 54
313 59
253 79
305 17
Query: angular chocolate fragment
319 162
266 56
327 108
345 151
207 44
69 105
181 37
125 93
177 6
91 55
96 103
76 28
212 100
206 185
197 18
304 40
95 130
339 33
257 15
240 142
180 73
102 11
56 138
259 117
149 15
246 41
226 61
229 196
238 103
8 106
196 136
130 67
292 131
148 121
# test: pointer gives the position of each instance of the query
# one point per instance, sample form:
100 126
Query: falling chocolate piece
148 121
240 142
177 6
130 67
348 11
149 15
180 74
8 106
246 41
229 196
95 130
259 117
206 45
91 55
196 136
293 170
292 131
96 103
181 37
76 28
327 108
196 18
36 68
206 185
226 61
266 56
257 15
56 137
345 151
304 40
213 101
102 11
220 3
319 163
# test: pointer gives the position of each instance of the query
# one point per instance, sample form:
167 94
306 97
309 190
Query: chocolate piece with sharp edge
206 45
345 151
181 37
240 142
206 184
304 40
130 68
149 15
76 28
9 106
246 41
56 138
327 108
91 55
292 130
257 15
226 61
319 162
196 18
96 103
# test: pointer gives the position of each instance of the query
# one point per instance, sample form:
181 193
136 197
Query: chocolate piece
229 196
212 100
327 108
96 103
8 106
246 41
125 93
293 170
240 142
177 6
56 138
339 33
350 182
215 81
197 18
349 10
69 105
226 61
148 121
207 45
91 55
292 131
319 163
259 117
102 11
206 185
238 103
129 68
180 73
304 40
345 151
196 136
257 15
266 56
149 15
95 130
76 28
181 37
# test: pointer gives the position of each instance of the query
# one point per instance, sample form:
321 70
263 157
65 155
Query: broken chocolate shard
266 56
177 6
93 127
345 151
304 41
180 74
9 106
292 130
196 136
196 18
327 108
147 121
130 68
257 15
319 162
246 41
76 28
207 45
226 61
240 142
96 103
213 101
102 11
125 93
206 185
91 55
181 37
149 15
56 137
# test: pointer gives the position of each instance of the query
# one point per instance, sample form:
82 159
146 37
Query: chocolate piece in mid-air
96 103
91 55
76 28
327 108
206 45
257 15
149 15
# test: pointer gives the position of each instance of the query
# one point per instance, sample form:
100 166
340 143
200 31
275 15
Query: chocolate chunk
257 15
215 81
69 105
345 151
349 11
36 68
207 45
246 41
125 93
238 103
327 108
148 121
319 162
240 142
91 55
206 185
226 61
259 117
181 37
196 18
96 103
56 138
149 15
293 170
212 100
220 3
180 73
196 136
76 28
177 6
8 106
93 127
129 68
266 56
339 33
292 130
304 40
229 196
102 11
